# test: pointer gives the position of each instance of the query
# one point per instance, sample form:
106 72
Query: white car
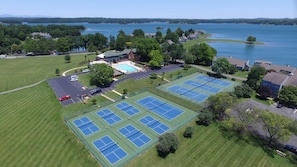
85 70
73 78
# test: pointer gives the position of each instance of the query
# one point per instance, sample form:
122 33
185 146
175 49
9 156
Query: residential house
277 77
41 34
241 65
273 82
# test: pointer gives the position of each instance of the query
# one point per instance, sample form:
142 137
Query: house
272 83
277 77
150 35
182 39
241 65
41 34
113 55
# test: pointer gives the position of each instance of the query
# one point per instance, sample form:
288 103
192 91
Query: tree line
283 21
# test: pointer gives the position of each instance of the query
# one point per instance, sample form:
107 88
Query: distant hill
43 19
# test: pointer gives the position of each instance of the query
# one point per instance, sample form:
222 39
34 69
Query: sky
187 9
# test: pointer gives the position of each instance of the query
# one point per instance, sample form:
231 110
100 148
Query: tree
159 36
154 75
288 95
168 143
57 71
112 42
156 59
139 33
232 69
219 103
220 66
203 53
243 91
121 40
101 74
176 51
189 58
92 48
63 45
179 32
67 58
188 132
144 46
255 77
205 117
277 127
251 39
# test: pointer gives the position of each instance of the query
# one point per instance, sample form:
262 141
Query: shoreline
232 41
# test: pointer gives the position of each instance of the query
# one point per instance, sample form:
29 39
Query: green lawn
33 132
242 74
19 72
208 147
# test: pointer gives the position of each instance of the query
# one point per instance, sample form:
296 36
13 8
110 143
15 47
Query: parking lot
63 86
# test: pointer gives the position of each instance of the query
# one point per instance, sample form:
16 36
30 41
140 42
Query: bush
154 76
168 143
233 79
188 132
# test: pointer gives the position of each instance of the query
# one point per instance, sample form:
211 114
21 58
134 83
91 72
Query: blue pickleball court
159 107
110 149
154 124
86 126
134 135
109 116
127 108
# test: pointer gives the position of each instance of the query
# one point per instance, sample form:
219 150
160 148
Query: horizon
192 9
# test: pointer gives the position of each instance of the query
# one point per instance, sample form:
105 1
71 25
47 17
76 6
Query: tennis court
192 94
197 87
160 107
134 135
214 80
109 116
202 86
154 124
110 149
127 108
86 126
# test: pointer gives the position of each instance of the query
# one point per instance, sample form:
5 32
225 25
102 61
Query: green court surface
127 112
197 87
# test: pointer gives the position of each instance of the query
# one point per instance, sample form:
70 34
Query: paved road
288 112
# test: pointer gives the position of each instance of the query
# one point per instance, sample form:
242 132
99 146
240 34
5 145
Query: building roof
237 62
262 62
114 53
278 68
291 81
276 78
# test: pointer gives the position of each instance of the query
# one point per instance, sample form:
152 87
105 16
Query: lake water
280 41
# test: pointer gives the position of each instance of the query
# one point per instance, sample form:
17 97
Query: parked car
73 78
279 105
66 97
86 70
291 148
95 91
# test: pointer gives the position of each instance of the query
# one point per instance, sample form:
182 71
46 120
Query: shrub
188 132
168 143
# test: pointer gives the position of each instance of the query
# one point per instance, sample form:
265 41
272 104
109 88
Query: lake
280 41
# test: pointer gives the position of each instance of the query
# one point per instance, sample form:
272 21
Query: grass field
208 148
33 132
19 72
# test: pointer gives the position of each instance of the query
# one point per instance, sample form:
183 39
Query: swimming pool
126 68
